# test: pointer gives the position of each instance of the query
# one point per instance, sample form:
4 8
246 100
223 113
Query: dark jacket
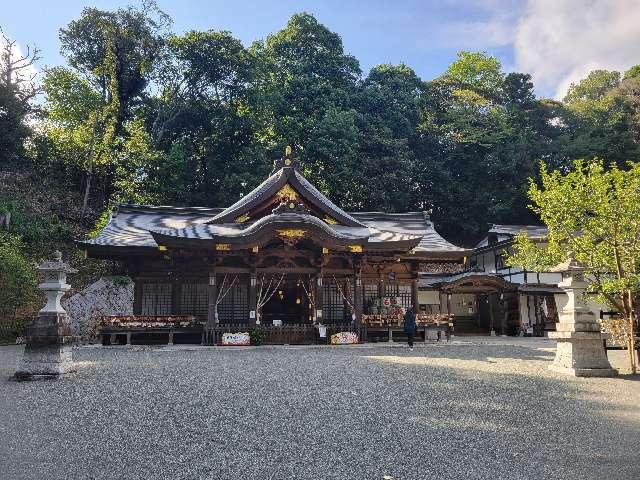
409 322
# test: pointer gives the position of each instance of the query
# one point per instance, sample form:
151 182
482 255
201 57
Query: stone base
581 354
584 372
44 362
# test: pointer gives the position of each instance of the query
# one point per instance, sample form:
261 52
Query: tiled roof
131 226
533 231
410 223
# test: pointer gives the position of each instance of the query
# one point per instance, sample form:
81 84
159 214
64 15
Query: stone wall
107 296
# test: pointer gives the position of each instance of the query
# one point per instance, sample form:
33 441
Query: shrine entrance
289 304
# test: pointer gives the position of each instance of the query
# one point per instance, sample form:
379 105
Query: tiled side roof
533 231
410 223
131 225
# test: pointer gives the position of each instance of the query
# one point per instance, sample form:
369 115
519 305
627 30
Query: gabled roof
505 233
287 174
142 228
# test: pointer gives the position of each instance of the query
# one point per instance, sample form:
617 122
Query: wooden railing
297 334
129 322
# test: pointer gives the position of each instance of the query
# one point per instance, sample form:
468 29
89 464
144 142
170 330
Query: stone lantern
47 353
580 349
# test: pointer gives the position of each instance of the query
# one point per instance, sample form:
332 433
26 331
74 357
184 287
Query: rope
343 295
309 295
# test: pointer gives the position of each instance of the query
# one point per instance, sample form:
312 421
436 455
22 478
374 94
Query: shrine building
282 255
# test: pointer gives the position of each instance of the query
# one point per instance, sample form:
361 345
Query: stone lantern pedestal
47 352
580 350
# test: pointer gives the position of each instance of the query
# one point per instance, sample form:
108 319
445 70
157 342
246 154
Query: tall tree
116 53
308 83
17 90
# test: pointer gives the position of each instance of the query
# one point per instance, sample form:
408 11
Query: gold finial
287 151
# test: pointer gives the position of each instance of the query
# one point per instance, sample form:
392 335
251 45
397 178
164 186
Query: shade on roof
141 228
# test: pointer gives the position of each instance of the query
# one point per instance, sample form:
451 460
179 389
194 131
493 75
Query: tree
592 213
307 83
388 104
17 278
602 118
480 132
593 87
116 53
206 121
17 90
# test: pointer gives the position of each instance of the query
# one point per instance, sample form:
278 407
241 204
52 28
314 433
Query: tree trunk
87 189
632 343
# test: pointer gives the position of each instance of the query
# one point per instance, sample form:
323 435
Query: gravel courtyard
473 409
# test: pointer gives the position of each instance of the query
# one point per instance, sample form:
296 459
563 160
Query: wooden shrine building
284 255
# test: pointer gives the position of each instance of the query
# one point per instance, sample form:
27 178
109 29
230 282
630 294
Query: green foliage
39 235
102 221
196 119
593 214
594 87
476 74
117 51
71 100
257 335
13 123
17 277
12 328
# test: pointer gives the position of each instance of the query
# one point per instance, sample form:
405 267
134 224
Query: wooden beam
212 297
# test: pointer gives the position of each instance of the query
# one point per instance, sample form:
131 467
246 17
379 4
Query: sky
557 41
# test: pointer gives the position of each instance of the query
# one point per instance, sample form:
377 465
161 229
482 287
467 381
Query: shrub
17 276
257 335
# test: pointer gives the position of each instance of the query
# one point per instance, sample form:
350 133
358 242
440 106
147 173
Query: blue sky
557 41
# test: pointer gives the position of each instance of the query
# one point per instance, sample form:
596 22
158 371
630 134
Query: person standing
410 326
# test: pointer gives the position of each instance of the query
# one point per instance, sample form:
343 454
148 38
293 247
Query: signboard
344 338
239 338
390 301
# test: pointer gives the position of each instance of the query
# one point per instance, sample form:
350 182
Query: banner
240 338
344 338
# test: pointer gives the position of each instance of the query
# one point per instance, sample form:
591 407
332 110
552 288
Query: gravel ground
468 410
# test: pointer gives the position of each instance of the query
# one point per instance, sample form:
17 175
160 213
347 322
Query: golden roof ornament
286 161
287 194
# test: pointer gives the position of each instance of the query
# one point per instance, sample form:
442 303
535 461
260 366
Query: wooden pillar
213 295
414 295
176 286
137 297
357 296
253 296
318 314
492 331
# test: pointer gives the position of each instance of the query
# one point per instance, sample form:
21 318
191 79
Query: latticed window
156 299
234 308
194 299
401 291
371 297
332 304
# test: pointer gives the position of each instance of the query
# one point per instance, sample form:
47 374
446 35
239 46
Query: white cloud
559 42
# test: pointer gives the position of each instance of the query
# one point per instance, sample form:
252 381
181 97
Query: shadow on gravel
450 412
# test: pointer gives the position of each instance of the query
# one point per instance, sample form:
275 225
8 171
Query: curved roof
143 227
277 180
